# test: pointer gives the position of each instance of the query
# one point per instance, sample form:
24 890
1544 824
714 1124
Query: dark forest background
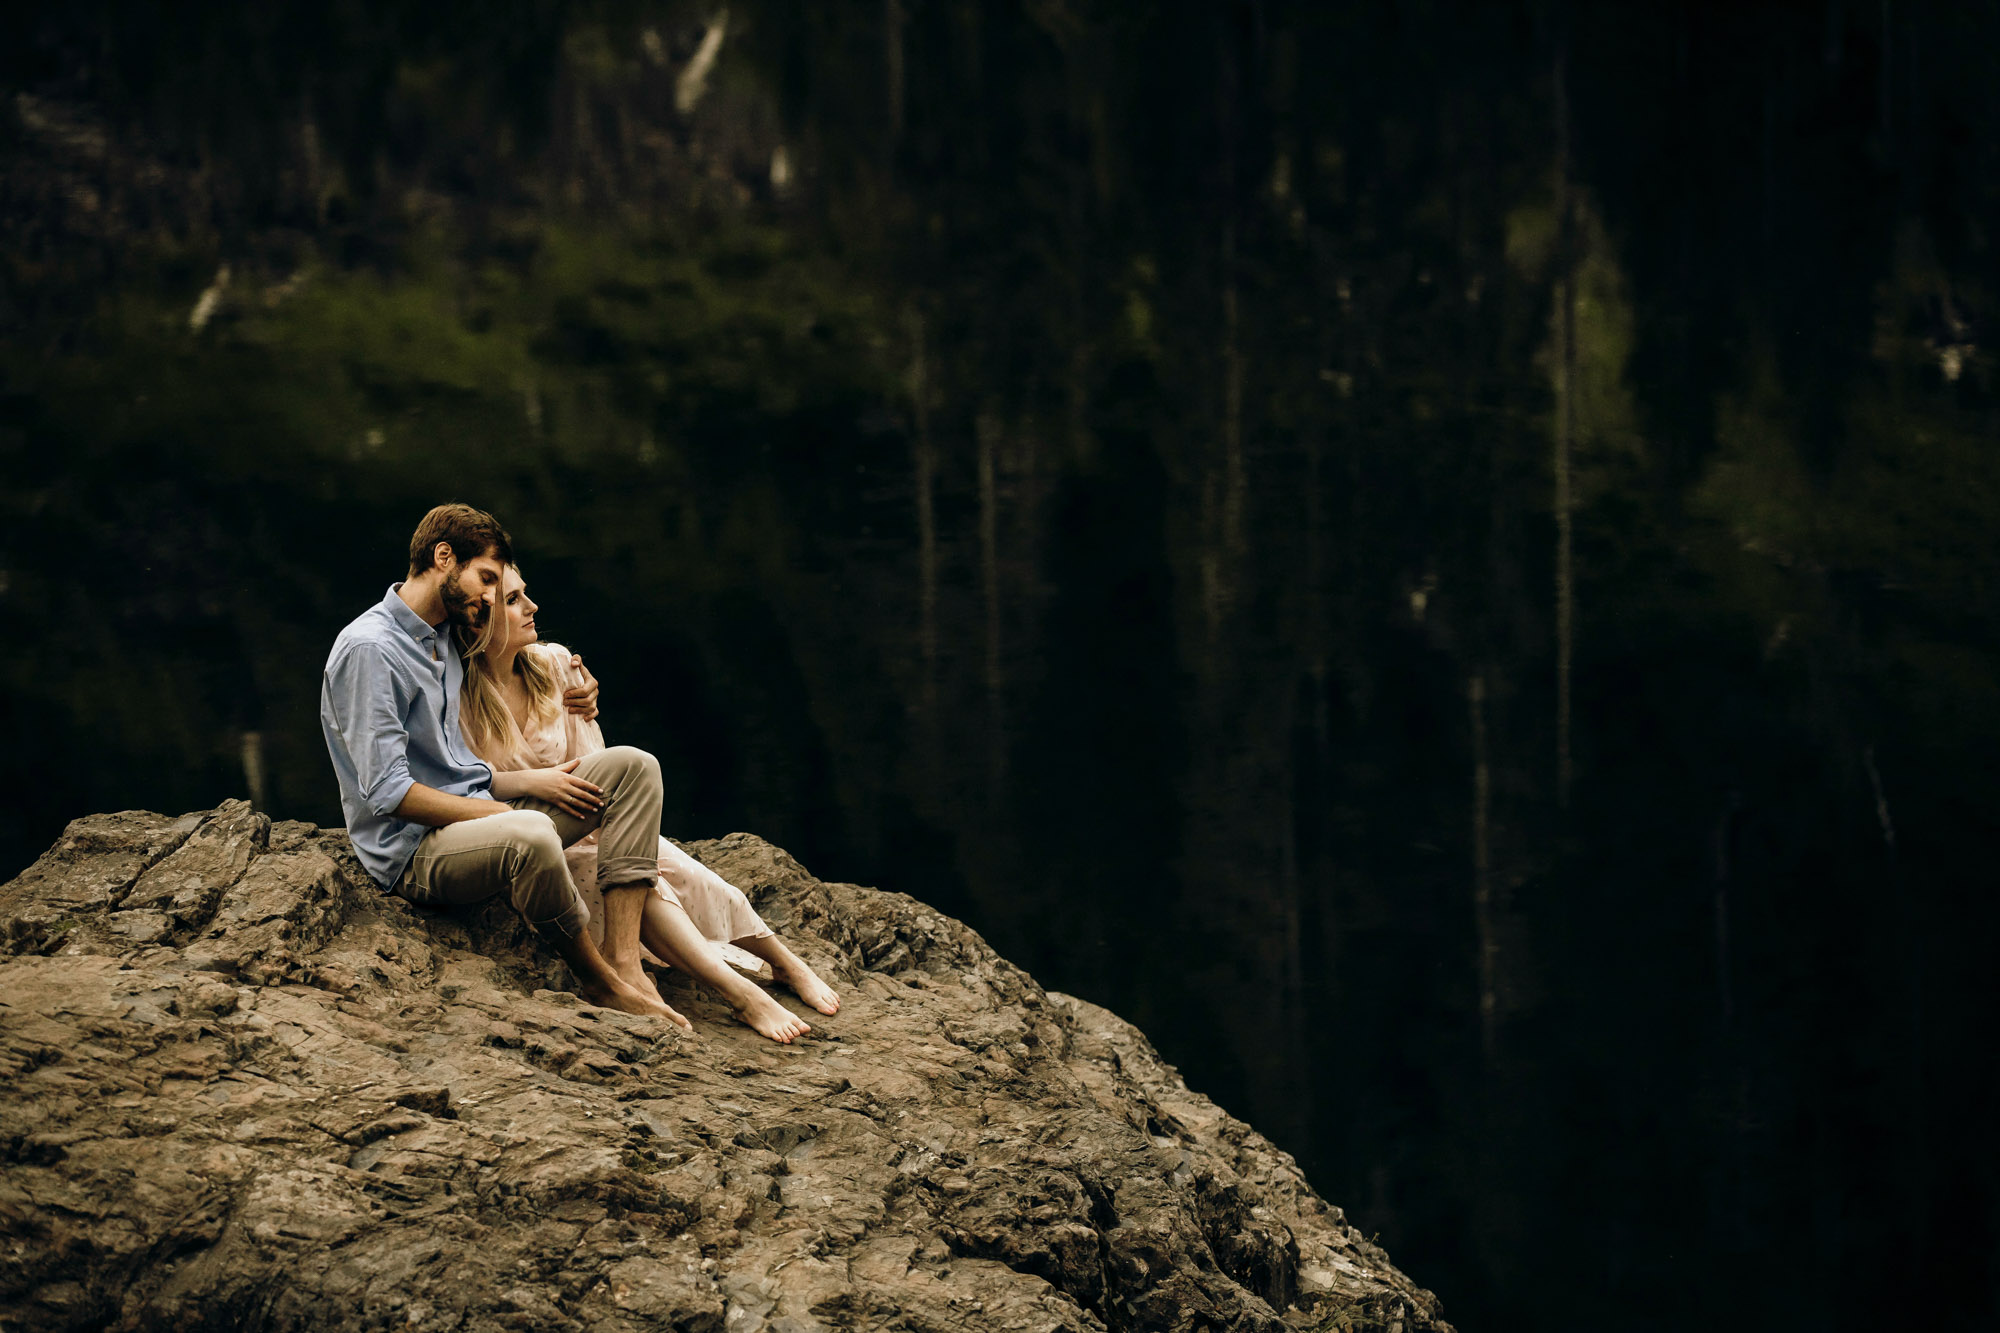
1440 558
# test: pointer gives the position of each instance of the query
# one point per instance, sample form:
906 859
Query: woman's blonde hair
489 726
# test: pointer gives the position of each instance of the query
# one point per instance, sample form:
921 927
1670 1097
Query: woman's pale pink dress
717 908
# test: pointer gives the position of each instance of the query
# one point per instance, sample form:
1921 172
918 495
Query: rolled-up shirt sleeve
366 705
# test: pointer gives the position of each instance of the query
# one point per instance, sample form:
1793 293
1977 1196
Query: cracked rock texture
246 1089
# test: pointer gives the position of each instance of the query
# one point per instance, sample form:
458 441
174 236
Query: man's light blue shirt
388 706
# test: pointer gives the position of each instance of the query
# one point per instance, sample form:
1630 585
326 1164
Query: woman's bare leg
791 969
666 930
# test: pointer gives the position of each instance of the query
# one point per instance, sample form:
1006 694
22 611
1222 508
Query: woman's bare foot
667 932
791 969
806 982
766 1015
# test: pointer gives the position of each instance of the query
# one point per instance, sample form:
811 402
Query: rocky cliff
248 1090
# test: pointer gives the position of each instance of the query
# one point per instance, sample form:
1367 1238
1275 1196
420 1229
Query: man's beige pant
521 851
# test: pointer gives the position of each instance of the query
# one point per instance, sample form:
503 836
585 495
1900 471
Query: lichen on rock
246 1089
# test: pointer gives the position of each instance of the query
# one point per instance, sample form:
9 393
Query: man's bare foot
767 1016
633 973
645 985
619 994
806 982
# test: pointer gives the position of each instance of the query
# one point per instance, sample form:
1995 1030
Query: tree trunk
1236 480
1725 849
1482 872
1915 963
1316 599
1223 495
989 571
925 466
693 80
254 770
892 71
1565 427
1884 84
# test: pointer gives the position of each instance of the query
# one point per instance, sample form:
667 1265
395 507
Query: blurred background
1440 558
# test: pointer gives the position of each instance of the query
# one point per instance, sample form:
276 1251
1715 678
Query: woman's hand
581 698
561 787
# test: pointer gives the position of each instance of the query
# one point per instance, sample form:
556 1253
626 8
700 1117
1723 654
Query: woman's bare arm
559 786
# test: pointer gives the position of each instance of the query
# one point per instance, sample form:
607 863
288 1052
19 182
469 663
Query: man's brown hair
470 532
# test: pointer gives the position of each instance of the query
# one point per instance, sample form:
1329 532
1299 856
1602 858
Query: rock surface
248 1090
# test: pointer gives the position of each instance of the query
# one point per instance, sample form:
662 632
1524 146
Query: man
418 802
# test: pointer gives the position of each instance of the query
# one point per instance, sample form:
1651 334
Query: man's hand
581 699
561 787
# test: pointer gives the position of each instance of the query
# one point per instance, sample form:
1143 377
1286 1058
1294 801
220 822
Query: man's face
469 590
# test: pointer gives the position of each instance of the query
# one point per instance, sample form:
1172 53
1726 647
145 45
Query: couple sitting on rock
470 764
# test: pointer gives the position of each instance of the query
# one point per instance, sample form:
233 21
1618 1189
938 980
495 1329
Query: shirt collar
412 623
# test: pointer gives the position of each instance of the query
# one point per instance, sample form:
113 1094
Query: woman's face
519 612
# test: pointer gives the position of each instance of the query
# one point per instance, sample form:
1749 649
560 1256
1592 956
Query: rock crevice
248 1090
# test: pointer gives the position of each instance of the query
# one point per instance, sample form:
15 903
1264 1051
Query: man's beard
460 609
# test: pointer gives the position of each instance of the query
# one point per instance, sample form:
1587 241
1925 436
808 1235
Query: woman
514 719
